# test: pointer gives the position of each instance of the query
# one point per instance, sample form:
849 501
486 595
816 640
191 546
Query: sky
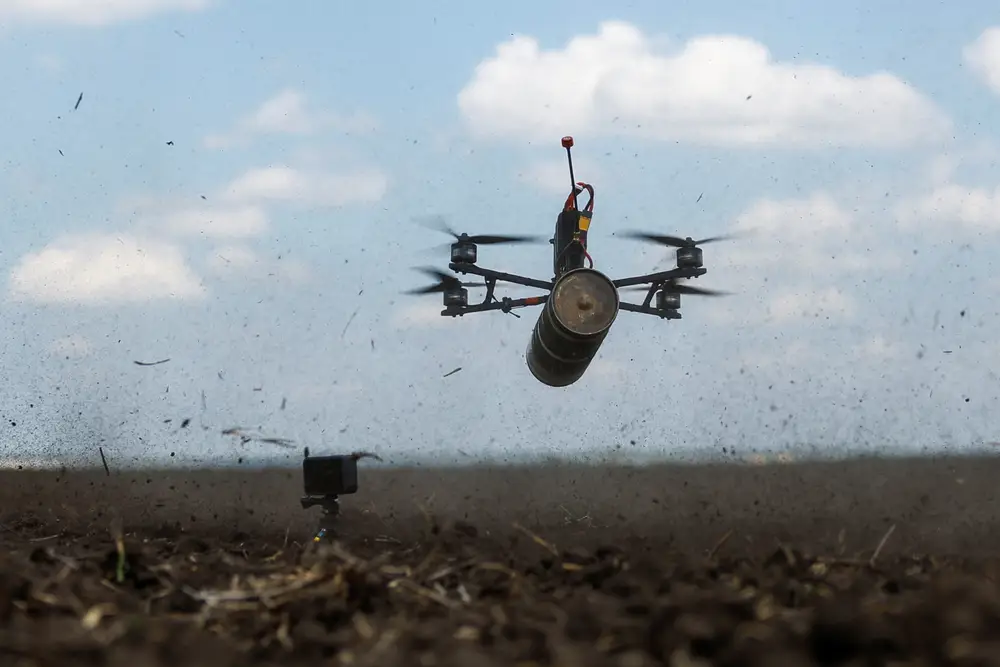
240 189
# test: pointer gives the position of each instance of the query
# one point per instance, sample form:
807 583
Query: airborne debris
357 456
104 462
151 363
245 436
449 373
349 320
78 100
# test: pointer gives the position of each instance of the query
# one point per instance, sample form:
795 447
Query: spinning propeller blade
445 282
437 223
674 288
673 241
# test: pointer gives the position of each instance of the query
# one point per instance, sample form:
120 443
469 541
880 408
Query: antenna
567 143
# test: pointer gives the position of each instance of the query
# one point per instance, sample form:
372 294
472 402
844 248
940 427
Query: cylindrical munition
572 326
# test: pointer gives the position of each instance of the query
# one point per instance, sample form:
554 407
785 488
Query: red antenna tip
567 142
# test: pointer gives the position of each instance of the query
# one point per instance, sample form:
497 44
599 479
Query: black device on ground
582 303
325 479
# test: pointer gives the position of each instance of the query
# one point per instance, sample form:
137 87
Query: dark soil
457 598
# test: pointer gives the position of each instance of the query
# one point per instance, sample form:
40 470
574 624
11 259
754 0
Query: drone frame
569 248
506 304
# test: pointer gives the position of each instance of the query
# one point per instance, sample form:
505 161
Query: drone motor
668 300
463 252
456 297
690 257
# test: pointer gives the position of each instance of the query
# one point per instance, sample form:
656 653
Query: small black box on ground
330 475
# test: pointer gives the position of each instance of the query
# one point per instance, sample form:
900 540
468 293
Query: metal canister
572 326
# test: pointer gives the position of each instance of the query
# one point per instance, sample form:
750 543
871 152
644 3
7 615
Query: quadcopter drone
582 303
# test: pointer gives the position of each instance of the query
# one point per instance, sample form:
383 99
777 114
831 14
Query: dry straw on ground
458 598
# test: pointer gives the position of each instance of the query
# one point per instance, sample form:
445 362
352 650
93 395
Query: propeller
672 287
673 241
438 224
445 282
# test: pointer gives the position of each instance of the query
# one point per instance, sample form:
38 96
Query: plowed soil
457 597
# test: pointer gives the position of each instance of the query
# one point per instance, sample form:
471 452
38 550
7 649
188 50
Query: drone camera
330 475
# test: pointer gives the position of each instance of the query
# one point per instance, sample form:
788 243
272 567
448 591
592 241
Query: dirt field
116 570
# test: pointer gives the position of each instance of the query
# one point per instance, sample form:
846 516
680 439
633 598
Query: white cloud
801 261
716 89
949 204
812 234
92 12
241 262
552 176
103 269
217 222
315 188
288 113
74 346
983 56
799 218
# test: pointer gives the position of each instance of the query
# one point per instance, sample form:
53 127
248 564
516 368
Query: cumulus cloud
799 256
306 187
241 262
974 208
289 113
814 233
239 209
552 176
92 13
217 222
714 89
983 57
103 269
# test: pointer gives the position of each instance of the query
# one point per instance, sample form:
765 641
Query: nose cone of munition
571 327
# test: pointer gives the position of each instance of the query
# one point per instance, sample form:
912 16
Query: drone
578 310
581 303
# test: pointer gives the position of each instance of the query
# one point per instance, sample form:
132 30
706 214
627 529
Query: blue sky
859 142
